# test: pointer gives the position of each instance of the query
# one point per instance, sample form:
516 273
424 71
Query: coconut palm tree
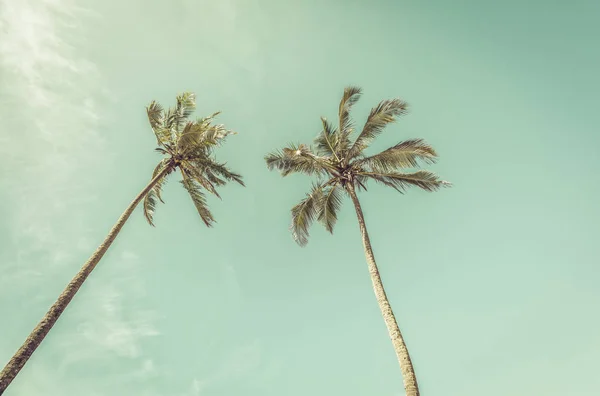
186 145
340 165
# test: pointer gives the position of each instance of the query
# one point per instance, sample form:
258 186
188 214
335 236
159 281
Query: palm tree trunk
16 363
408 372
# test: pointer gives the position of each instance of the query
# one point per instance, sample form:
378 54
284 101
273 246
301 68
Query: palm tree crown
338 159
188 145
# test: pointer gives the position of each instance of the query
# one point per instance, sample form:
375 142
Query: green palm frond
159 184
149 204
327 141
349 99
201 136
329 205
217 173
186 104
170 119
304 213
156 117
190 138
195 173
403 155
297 159
221 170
361 181
199 200
380 116
214 135
423 179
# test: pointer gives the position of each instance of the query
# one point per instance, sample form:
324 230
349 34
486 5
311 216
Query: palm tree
340 165
187 146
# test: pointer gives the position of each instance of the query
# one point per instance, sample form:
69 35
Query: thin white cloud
107 326
50 106
49 139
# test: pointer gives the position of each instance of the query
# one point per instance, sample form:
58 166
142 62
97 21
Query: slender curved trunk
408 372
16 363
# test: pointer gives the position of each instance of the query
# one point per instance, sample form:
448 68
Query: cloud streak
51 137
50 104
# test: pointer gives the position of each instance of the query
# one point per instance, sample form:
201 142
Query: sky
493 282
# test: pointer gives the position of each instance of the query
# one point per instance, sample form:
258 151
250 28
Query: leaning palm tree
187 146
340 165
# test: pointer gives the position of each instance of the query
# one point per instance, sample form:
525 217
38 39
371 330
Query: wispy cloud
107 326
50 106
49 120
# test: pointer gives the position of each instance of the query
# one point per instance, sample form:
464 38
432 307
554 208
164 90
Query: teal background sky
494 282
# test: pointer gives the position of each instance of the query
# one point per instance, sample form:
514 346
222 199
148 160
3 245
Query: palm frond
199 200
350 97
214 135
403 155
189 138
149 204
160 183
423 179
218 169
156 117
186 104
361 182
201 136
194 172
215 171
327 141
329 205
379 117
304 213
297 159
214 179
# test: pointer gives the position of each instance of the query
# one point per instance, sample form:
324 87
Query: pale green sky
494 282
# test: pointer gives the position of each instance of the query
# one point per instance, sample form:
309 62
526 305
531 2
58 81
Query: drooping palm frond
218 169
196 173
403 155
328 206
156 117
217 173
349 98
361 181
327 141
199 200
380 116
423 179
160 183
297 159
304 213
149 204
150 207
